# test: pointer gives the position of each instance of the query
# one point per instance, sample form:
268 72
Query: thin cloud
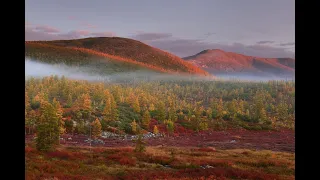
288 44
209 34
31 35
265 42
88 25
143 36
103 34
45 34
75 34
46 29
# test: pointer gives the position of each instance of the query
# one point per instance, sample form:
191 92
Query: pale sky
264 28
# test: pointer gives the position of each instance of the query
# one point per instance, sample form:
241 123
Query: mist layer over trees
39 69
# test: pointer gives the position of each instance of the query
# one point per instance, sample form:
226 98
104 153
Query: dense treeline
130 108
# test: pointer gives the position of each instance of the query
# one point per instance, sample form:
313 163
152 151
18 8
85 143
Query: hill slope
117 49
93 62
220 62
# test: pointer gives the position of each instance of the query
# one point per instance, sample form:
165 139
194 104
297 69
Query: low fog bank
39 70
255 78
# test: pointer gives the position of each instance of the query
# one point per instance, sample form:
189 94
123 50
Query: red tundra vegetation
157 163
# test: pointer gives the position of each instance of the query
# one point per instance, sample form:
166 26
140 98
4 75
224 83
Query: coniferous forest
197 105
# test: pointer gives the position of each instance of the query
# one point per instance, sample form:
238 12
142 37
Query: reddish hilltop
128 49
218 61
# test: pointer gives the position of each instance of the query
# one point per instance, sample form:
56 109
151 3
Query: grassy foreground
157 163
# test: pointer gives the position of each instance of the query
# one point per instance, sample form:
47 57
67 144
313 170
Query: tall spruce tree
47 127
96 129
146 119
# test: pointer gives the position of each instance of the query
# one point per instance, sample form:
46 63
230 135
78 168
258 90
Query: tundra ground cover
157 163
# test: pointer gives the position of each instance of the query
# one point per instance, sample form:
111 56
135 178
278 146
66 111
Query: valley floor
231 154
230 139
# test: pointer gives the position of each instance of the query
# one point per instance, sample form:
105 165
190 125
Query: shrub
183 165
98 150
245 153
77 155
140 145
35 105
115 157
160 160
207 149
127 161
126 149
59 154
122 158
29 149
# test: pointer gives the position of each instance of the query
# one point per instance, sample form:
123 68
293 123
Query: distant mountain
112 53
220 62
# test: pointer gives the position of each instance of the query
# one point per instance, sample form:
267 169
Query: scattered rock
98 141
129 137
206 166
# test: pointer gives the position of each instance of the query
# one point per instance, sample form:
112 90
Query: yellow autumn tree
26 103
114 110
39 99
96 129
134 126
155 130
136 105
84 102
57 106
69 100
107 108
151 107
47 127
106 94
146 119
